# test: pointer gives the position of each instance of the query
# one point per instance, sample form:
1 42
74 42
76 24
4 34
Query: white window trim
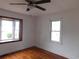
14 29
0 29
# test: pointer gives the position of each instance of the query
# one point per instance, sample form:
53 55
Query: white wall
28 33
40 26
70 46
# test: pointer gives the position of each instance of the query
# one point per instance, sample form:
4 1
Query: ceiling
52 7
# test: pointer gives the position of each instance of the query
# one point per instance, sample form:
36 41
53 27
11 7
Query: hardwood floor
32 53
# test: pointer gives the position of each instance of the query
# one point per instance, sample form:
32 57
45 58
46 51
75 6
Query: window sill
9 41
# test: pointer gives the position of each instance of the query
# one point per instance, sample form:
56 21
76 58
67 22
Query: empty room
39 29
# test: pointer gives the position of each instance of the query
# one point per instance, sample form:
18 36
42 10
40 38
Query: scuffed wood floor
32 53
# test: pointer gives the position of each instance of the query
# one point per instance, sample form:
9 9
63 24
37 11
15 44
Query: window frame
61 31
20 29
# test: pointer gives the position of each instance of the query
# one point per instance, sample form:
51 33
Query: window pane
16 29
6 30
55 36
56 26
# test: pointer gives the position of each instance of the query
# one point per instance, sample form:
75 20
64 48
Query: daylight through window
10 30
55 31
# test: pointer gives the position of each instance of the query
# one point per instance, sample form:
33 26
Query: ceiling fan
33 3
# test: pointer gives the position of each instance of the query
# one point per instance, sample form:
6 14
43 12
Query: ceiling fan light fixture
28 9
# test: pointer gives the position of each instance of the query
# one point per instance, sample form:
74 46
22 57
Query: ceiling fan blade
41 8
42 1
29 1
18 4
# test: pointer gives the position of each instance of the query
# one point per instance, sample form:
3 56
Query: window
10 29
55 31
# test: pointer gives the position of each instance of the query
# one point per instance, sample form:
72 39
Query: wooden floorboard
32 53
